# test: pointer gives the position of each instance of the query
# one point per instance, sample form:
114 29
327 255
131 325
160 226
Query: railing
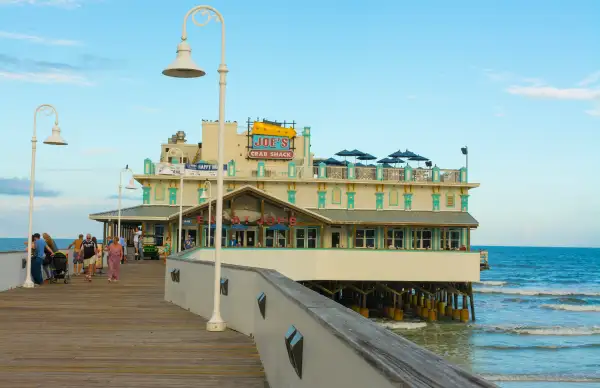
12 269
282 316
282 172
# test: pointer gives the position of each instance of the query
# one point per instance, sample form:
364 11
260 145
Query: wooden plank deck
116 335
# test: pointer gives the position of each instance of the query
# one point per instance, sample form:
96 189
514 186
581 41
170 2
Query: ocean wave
492 283
402 325
545 330
570 300
543 378
517 300
539 347
519 291
570 307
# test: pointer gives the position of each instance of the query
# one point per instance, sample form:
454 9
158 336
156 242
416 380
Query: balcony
296 171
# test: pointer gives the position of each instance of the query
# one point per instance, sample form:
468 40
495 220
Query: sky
518 82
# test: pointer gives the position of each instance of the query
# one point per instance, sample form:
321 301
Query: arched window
336 196
394 197
159 192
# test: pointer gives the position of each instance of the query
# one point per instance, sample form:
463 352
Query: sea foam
545 330
527 292
402 325
543 378
570 307
492 283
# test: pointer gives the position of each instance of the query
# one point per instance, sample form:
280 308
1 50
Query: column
350 196
436 201
379 200
408 201
322 197
172 195
146 195
464 202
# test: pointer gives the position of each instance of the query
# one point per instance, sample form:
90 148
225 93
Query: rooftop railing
294 171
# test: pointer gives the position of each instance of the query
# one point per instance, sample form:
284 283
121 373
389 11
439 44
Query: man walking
77 260
89 250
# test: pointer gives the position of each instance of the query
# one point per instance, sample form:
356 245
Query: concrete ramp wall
332 346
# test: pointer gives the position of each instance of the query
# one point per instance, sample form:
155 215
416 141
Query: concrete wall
341 348
348 264
12 273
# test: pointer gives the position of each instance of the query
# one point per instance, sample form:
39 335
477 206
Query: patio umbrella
418 159
385 160
367 157
333 162
356 153
403 154
344 153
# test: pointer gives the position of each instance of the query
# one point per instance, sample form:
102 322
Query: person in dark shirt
89 250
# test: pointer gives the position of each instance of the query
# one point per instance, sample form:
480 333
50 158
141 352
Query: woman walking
115 254
48 259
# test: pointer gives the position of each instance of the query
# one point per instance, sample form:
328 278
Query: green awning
398 217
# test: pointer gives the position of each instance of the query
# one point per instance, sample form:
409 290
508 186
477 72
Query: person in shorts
89 250
77 259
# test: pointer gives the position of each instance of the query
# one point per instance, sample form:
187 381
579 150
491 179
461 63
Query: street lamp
209 196
54 139
130 186
184 67
170 154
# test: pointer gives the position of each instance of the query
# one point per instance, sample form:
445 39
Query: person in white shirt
137 243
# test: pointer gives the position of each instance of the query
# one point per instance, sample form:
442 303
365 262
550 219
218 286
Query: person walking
40 254
115 255
124 246
137 243
89 250
77 261
52 248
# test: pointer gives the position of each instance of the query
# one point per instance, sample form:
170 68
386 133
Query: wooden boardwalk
116 335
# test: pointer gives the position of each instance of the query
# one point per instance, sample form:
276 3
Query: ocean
538 319
17 244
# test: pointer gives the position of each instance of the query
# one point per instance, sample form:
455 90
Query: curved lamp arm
48 109
209 13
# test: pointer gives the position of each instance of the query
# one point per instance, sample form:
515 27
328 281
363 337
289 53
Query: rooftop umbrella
356 152
418 159
367 157
385 160
403 154
396 160
344 153
333 162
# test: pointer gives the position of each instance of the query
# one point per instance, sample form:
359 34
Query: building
278 195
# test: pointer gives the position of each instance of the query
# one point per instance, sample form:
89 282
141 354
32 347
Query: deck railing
284 172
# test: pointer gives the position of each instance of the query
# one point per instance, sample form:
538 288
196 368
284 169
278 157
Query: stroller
60 268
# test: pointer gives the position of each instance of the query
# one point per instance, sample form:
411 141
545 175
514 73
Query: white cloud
146 109
68 4
551 92
594 112
47 77
38 39
590 79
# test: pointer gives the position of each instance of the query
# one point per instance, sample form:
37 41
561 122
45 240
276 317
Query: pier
119 335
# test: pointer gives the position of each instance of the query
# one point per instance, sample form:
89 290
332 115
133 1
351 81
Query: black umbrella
356 152
403 154
333 162
396 161
418 158
385 160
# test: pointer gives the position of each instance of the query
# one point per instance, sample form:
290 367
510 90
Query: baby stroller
60 268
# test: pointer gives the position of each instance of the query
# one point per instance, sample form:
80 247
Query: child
166 249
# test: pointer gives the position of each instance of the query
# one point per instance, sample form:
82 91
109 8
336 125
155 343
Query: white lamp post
130 186
209 196
54 139
170 154
184 67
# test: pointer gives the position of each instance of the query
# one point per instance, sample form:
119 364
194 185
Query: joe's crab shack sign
269 141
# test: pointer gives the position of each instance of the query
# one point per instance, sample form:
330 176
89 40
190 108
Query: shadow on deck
122 335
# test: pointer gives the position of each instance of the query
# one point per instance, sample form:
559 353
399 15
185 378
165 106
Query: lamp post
54 139
184 67
130 186
465 151
170 154
209 196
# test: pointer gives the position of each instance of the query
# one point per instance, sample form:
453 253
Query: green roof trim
139 213
398 217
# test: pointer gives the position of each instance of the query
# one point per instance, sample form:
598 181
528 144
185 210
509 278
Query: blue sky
518 82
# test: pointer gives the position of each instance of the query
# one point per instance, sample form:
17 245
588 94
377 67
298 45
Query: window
336 196
365 238
453 238
159 192
449 200
276 238
159 234
395 238
423 239
306 238
394 197
212 237
300 236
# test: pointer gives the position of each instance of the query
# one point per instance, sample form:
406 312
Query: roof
398 217
262 194
139 213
